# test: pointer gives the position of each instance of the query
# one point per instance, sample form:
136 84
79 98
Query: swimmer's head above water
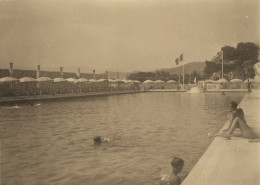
97 140
177 164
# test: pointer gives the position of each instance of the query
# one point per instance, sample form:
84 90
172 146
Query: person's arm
230 119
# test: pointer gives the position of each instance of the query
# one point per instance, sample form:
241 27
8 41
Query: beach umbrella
93 80
236 80
222 80
43 79
82 80
27 79
171 81
102 80
71 80
147 81
111 80
210 81
59 80
250 80
118 80
8 79
158 81
130 81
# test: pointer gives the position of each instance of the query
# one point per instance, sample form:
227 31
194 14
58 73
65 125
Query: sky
121 35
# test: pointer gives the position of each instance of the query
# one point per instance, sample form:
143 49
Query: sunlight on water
52 143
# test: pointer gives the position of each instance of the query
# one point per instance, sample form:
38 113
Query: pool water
52 143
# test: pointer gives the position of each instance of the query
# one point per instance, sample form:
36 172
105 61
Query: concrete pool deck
231 162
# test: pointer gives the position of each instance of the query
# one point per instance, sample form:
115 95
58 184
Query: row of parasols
72 80
223 80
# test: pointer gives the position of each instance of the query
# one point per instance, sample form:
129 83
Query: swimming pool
52 143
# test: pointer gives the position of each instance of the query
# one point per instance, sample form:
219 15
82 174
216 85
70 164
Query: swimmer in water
98 140
177 165
15 107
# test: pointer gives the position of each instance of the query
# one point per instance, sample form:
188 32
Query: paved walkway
231 162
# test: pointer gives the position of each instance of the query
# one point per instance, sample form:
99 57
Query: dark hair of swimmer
176 162
97 140
233 104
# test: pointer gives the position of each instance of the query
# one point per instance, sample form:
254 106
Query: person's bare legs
234 125
238 123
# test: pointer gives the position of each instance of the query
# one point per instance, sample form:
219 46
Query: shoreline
18 99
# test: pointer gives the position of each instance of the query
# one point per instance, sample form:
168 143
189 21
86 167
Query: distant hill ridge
188 68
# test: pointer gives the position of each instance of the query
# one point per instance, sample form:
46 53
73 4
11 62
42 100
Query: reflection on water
52 143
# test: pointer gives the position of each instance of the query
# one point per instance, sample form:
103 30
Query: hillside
189 68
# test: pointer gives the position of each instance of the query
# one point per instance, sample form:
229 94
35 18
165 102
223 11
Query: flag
94 74
218 56
181 57
78 73
177 61
11 69
61 72
38 71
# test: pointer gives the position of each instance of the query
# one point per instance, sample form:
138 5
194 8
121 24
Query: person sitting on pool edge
98 140
237 120
177 165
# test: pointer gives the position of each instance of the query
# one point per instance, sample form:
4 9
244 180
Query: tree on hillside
243 58
246 56
142 76
175 77
194 75
246 51
211 67
228 53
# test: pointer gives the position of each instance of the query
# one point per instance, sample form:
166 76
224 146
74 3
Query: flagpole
222 64
183 76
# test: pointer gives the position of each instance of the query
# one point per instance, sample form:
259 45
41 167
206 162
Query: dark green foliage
240 59
246 51
229 53
211 67
158 75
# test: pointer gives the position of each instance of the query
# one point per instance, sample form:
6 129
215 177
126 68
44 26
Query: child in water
177 165
173 179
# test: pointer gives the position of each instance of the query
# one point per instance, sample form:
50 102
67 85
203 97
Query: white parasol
147 81
236 80
43 79
222 80
171 81
59 80
27 79
8 79
71 80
